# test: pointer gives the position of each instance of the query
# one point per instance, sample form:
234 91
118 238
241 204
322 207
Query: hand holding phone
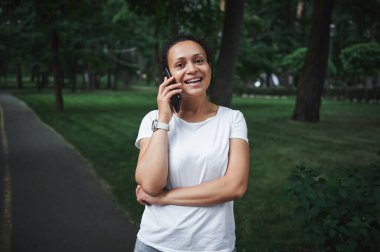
175 100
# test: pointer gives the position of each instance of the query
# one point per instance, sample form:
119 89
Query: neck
197 109
194 105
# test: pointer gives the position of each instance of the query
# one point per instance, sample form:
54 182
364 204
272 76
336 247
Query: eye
180 65
199 61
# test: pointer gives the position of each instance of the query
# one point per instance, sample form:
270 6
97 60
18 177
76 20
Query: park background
306 75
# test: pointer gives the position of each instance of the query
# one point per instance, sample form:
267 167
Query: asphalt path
50 199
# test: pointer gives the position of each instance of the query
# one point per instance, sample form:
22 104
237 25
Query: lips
193 80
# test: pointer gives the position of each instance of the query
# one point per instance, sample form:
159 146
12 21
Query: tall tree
313 74
49 15
57 69
222 88
170 17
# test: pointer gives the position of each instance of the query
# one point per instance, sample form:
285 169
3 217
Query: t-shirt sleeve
145 127
239 126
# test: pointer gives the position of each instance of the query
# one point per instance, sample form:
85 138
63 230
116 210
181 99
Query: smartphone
175 100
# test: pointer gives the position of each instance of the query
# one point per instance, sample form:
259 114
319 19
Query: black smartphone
175 100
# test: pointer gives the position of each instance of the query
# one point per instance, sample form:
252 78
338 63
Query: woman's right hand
165 91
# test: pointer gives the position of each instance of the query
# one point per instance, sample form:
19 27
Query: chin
194 93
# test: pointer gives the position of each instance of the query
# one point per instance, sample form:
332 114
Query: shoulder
231 114
148 118
237 123
151 115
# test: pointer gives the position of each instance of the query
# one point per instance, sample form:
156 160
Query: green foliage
294 61
361 58
339 212
256 59
278 91
126 35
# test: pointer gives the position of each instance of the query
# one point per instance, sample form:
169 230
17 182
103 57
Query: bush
293 62
340 212
274 91
358 94
361 58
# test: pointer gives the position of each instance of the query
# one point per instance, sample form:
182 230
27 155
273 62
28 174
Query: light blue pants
142 247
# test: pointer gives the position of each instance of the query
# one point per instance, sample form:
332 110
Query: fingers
166 87
165 83
140 196
169 91
165 91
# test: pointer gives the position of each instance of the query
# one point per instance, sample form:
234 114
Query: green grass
103 127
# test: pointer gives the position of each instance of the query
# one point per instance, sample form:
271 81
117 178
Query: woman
192 164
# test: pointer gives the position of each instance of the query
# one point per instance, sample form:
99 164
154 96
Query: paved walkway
50 200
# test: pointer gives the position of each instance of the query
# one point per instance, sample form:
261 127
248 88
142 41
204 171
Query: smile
193 81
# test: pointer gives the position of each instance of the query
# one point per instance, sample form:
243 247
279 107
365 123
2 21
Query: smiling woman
192 163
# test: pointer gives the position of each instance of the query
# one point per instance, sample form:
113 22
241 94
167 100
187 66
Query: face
188 64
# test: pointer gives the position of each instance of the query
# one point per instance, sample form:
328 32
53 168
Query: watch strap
159 125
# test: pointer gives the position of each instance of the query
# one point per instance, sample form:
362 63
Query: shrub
293 62
340 212
361 58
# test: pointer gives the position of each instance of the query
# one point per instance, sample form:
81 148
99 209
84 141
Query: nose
191 68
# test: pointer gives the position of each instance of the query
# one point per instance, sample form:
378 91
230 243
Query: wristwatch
158 125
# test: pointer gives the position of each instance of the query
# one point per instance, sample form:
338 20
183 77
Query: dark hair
184 37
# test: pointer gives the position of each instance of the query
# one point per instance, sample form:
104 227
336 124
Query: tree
49 15
170 17
222 88
16 37
313 74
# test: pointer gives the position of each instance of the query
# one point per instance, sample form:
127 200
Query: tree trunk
157 72
19 73
57 71
33 71
96 81
267 80
222 88
91 76
313 74
125 78
74 73
43 81
116 76
109 78
37 79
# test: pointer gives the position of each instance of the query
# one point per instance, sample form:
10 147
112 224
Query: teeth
193 80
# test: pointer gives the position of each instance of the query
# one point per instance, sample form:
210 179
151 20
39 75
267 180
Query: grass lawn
103 126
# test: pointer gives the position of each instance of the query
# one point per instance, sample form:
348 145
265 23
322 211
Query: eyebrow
197 54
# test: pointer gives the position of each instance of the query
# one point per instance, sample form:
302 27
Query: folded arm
152 165
232 185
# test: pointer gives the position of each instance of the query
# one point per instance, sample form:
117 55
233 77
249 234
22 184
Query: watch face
154 125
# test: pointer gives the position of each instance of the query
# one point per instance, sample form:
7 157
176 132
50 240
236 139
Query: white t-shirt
198 152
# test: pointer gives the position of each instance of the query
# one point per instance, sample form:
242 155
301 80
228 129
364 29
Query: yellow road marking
6 216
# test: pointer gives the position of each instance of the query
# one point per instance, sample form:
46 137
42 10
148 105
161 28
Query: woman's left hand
145 199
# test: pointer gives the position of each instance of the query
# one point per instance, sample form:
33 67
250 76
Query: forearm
152 166
209 193
232 185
